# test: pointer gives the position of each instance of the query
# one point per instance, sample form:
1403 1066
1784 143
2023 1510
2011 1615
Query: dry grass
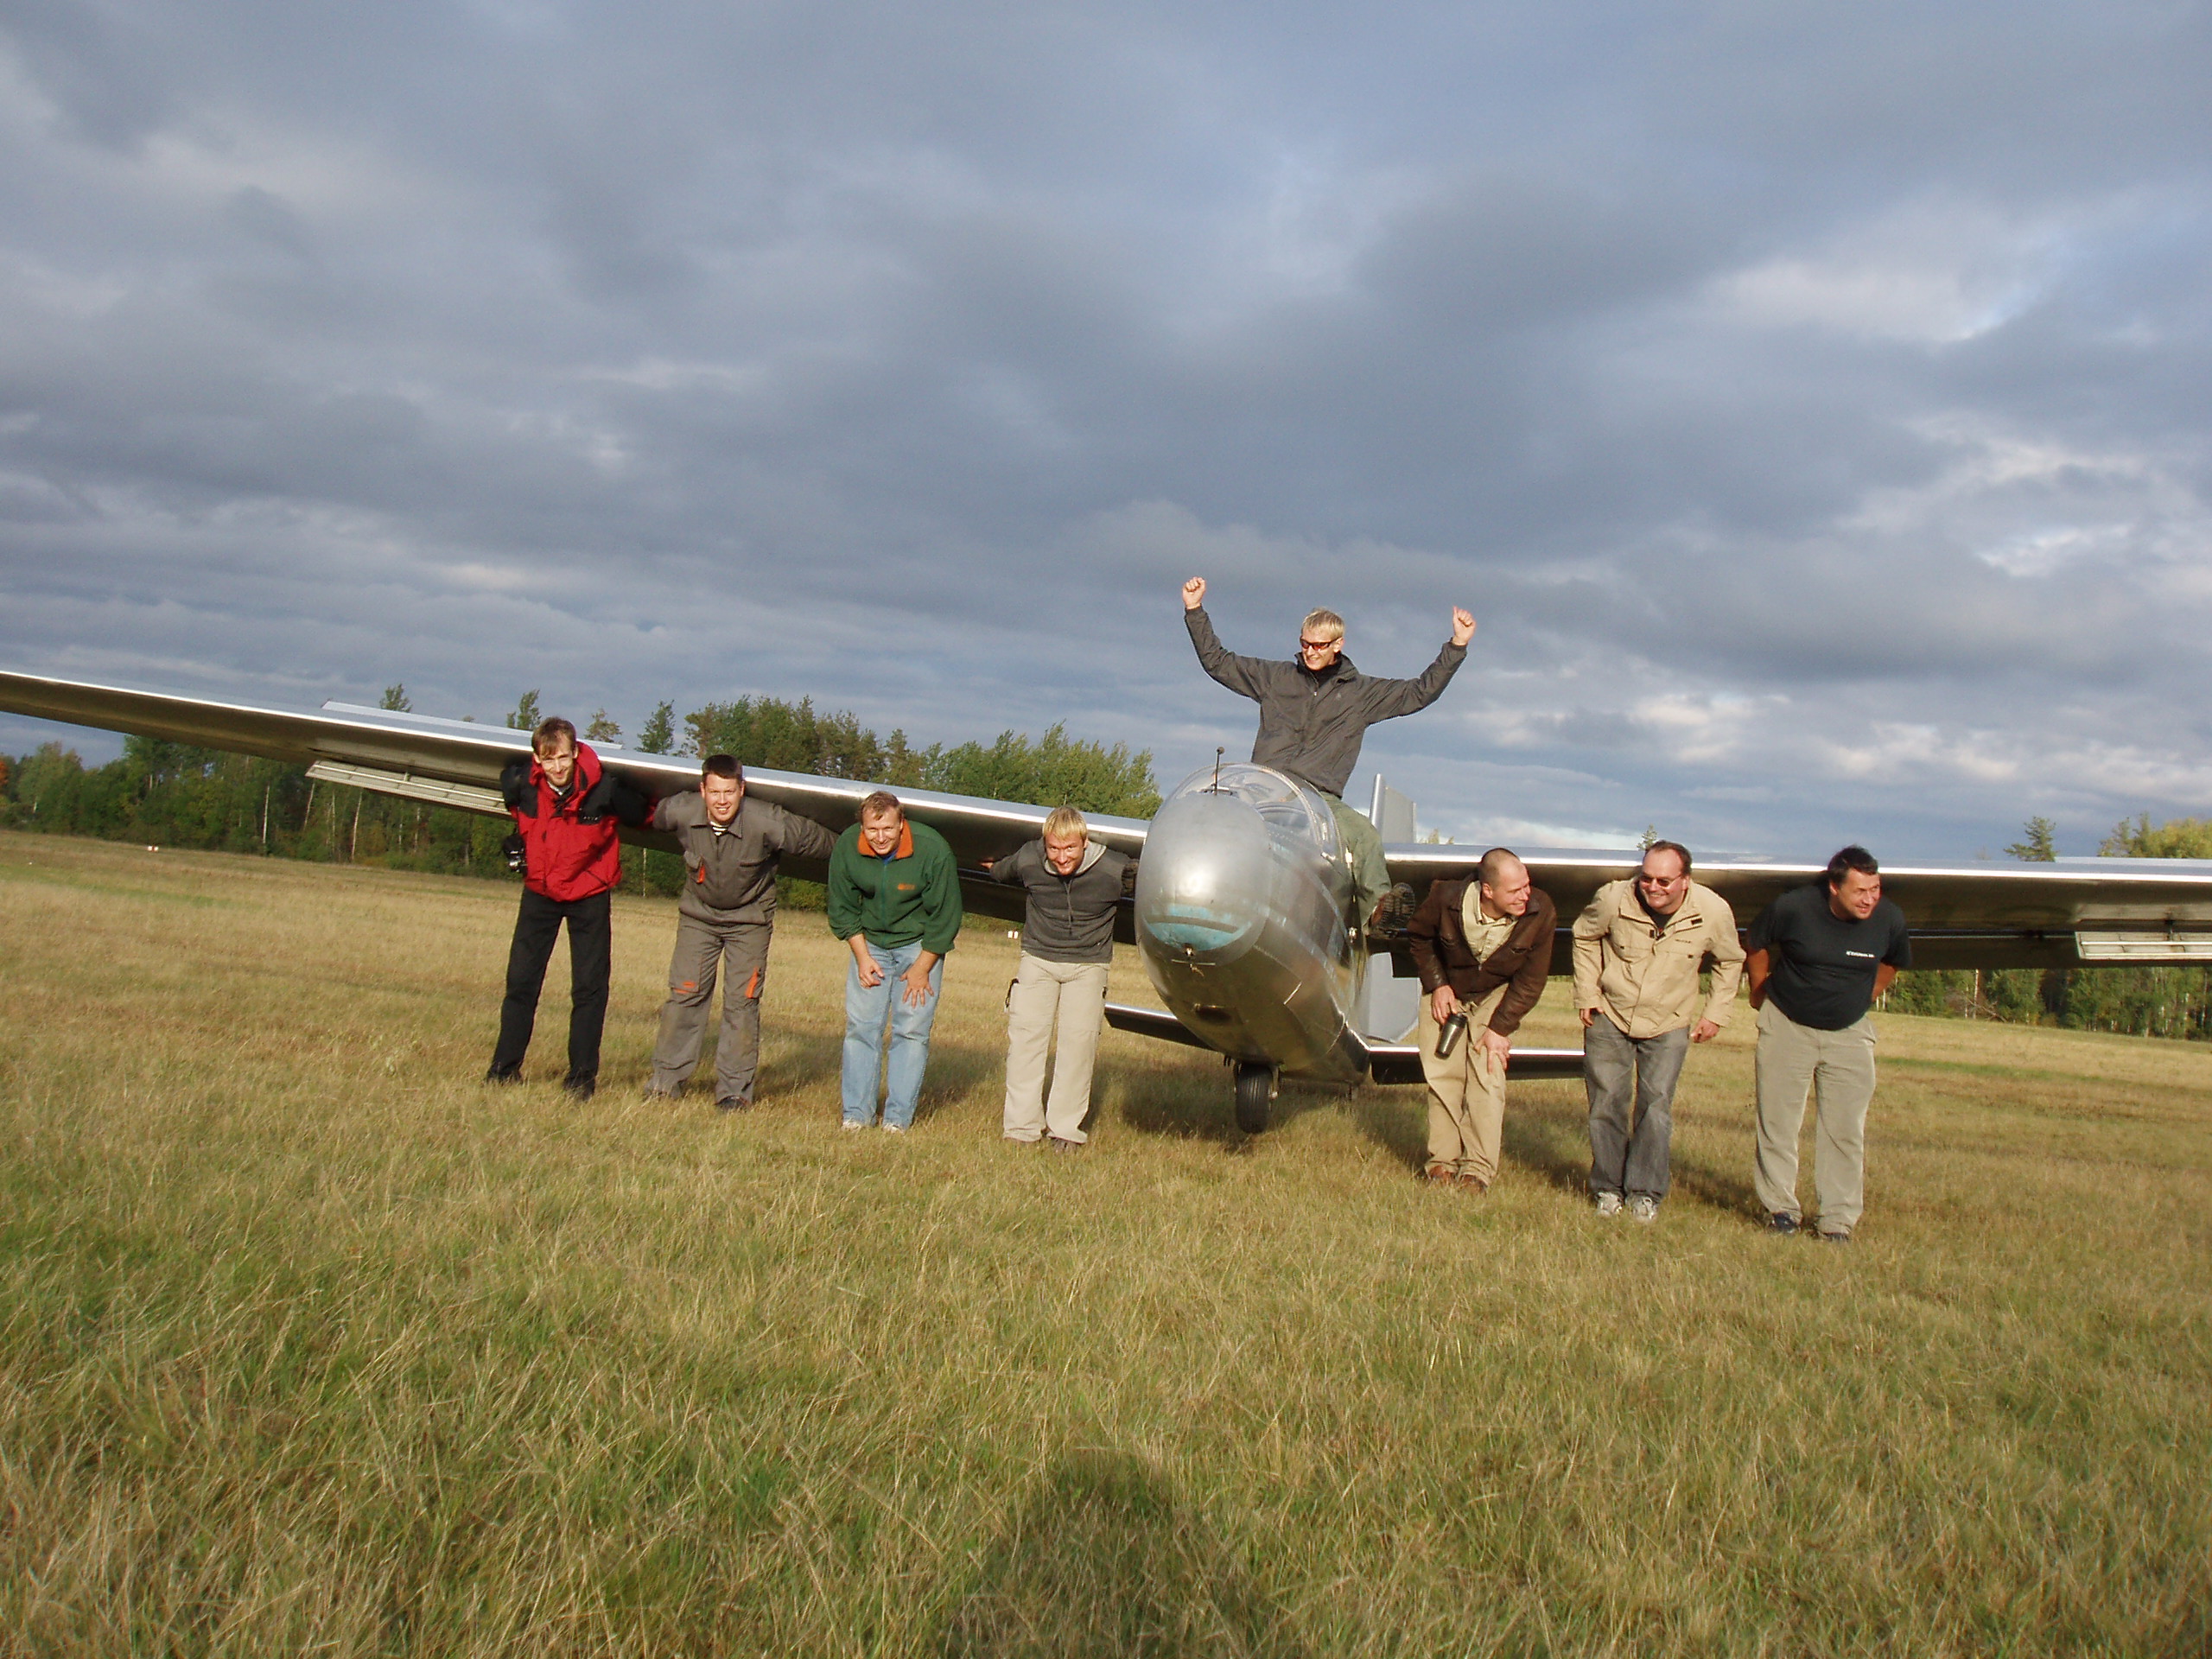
311 1342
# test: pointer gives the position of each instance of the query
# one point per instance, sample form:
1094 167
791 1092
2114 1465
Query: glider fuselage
1241 920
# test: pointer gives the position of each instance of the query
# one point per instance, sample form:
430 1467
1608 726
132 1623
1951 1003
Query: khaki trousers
1045 996
1837 1068
702 949
1466 1095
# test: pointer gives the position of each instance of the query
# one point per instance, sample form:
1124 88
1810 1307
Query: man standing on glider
1314 712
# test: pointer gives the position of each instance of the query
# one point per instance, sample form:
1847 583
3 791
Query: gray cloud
1809 402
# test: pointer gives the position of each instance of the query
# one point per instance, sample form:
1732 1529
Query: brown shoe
1439 1175
1474 1184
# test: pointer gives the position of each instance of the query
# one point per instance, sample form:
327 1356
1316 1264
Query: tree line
174 795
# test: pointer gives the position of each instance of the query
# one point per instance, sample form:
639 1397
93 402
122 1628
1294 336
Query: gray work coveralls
722 926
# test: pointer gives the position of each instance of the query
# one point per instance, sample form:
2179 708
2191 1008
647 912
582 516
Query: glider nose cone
1203 883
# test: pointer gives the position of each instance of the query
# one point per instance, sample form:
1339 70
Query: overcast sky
1810 401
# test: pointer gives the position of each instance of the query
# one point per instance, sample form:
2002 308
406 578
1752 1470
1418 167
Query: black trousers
591 939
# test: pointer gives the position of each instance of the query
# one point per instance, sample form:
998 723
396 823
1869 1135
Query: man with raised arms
1820 955
1483 946
1314 713
732 847
1638 950
894 899
566 810
1073 885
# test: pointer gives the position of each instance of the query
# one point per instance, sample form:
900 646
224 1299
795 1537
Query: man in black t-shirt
1818 957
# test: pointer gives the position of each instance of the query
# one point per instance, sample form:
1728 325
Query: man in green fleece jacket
894 899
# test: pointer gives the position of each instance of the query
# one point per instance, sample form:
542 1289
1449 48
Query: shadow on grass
1730 1192
1198 1105
1551 1133
958 1070
803 1059
1396 1118
1100 1558
1540 1133
1548 1129
1546 1132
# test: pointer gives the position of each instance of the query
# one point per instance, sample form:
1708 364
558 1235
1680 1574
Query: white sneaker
895 1129
849 1123
1643 1207
1609 1203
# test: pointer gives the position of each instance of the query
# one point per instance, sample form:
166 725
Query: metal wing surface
457 763
2059 915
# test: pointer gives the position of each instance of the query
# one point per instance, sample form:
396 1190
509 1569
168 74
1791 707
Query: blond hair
1063 821
1322 625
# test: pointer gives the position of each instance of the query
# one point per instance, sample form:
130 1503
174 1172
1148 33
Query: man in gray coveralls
731 850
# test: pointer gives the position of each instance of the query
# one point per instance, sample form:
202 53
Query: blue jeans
867 1008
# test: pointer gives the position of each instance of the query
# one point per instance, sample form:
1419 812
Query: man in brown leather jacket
1483 946
732 848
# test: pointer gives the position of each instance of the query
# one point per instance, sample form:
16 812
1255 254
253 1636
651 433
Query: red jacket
571 845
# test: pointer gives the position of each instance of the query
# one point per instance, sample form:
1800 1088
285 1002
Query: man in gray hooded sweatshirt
1067 945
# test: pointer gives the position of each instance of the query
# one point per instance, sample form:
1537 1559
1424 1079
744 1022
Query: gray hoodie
1069 918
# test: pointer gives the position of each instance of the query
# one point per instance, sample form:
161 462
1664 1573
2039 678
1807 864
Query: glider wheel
1256 1092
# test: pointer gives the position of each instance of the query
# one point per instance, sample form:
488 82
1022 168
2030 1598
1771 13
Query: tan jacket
1646 981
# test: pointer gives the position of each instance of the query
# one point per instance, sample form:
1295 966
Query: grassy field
312 1341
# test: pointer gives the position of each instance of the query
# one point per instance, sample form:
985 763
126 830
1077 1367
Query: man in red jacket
565 807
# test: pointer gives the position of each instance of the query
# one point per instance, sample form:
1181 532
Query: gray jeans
1619 1071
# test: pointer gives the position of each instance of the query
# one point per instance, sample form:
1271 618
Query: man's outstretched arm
1242 675
1388 699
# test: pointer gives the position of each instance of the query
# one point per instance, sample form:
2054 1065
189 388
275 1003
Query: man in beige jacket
1638 950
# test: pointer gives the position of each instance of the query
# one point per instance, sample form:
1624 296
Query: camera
517 856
